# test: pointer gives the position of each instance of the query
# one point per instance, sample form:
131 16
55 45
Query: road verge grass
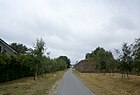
27 86
104 85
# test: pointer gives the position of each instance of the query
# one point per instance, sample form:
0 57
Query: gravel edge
55 88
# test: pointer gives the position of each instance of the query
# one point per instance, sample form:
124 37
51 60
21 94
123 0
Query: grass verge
27 86
104 85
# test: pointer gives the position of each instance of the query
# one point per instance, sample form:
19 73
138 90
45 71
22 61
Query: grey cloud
123 23
70 27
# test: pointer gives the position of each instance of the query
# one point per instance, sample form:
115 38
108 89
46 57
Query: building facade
85 66
5 48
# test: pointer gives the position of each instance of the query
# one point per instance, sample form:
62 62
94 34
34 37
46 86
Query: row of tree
128 60
30 62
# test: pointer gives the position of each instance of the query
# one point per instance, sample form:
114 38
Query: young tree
136 54
39 48
126 60
110 63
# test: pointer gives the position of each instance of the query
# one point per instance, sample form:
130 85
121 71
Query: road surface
71 85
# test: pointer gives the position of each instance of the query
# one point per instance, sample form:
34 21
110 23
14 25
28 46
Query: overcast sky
70 27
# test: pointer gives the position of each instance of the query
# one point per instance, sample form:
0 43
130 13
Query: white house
5 48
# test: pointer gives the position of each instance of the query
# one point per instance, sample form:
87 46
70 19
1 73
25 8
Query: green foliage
104 59
30 64
13 67
126 58
129 60
136 54
39 47
66 60
20 48
38 51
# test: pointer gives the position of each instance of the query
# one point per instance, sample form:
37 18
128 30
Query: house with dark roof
85 66
5 48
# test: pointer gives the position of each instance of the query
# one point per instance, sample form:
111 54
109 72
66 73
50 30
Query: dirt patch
54 89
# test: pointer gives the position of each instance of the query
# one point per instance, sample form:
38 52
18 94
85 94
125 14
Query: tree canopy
127 62
20 48
33 63
103 59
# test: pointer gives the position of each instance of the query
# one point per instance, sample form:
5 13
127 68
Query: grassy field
104 85
27 86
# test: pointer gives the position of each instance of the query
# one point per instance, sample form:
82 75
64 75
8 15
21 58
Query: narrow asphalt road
71 85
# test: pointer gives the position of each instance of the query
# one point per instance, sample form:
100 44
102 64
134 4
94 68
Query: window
0 49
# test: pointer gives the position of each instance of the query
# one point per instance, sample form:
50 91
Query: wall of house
5 49
85 66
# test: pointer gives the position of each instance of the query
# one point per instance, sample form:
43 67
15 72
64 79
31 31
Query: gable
4 47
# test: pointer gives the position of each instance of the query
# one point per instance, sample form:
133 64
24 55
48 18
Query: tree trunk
35 76
127 74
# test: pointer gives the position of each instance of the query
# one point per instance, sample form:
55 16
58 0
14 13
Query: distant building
5 48
85 66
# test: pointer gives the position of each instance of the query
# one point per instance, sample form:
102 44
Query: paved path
71 85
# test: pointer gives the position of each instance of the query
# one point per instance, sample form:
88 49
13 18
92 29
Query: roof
8 46
85 62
